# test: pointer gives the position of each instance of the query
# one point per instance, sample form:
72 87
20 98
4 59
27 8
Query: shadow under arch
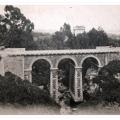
90 68
66 75
90 56
41 73
40 58
66 57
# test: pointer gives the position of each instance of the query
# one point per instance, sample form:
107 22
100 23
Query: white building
78 30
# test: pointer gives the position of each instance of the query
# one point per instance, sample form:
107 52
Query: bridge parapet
23 52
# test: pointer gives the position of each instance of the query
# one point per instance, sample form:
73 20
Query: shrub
109 85
15 90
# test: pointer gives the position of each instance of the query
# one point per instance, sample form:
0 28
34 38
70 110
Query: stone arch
40 58
91 56
40 73
66 57
68 72
89 70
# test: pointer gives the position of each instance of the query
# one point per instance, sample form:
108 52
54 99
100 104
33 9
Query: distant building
78 30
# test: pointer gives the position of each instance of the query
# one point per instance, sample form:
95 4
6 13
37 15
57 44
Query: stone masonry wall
14 64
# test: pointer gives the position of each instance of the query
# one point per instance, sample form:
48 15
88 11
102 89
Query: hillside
114 36
41 36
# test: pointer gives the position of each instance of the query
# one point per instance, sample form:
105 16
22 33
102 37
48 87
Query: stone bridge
19 61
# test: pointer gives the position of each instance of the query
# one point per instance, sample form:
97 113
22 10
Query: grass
9 109
80 109
96 109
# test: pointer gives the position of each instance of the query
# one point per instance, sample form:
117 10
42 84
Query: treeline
16 31
65 39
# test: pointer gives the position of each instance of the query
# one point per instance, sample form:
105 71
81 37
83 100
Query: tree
58 39
3 30
97 37
81 41
89 40
111 68
108 83
66 30
16 29
62 38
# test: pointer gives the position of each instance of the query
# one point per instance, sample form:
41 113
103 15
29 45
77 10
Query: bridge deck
58 52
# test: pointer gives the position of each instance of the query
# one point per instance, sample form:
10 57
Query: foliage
112 68
16 32
15 29
97 37
109 85
62 38
114 41
89 40
66 71
81 41
41 73
15 90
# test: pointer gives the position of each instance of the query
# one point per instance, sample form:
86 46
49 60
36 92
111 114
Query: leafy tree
97 38
89 40
63 37
15 29
114 42
58 39
66 29
108 83
81 41
111 69
3 30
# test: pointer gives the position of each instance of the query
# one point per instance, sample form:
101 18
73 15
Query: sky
49 18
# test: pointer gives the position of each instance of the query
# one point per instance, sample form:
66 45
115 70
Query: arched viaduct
20 61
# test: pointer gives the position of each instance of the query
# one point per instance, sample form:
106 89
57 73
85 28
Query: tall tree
15 29
66 29
63 37
81 41
97 37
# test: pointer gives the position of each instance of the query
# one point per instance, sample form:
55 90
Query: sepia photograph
59 59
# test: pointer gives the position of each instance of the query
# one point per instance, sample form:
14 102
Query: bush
15 90
109 85
110 90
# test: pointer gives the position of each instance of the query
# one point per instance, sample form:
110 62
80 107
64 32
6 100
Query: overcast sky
52 17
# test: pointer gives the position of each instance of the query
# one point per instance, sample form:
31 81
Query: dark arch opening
66 71
90 64
66 75
41 73
89 72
